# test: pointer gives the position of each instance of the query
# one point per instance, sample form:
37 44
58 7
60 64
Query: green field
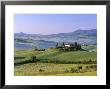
52 55
45 69
55 62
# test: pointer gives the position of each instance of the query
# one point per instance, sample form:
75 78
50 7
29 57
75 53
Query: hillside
54 55
46 41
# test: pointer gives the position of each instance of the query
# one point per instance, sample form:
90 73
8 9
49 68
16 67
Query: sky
46 24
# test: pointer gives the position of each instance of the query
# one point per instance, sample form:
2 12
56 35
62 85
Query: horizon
52 34
47 24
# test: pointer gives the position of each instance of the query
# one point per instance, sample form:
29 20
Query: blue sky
53 23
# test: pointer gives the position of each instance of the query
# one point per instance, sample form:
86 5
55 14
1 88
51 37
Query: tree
57 45
75 44
63 44
33 58
78 47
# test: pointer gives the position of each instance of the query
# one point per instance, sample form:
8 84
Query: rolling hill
47 41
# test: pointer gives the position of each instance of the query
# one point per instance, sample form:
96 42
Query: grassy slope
94 73
90 48
32 69
77 56
53 54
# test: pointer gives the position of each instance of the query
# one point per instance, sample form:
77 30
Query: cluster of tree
39 49
76 46
71 47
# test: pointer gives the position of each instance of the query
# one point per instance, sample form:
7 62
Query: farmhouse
68 46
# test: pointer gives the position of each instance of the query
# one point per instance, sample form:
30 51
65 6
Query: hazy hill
42 41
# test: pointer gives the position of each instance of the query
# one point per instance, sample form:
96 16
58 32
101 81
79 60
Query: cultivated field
53 62
33 69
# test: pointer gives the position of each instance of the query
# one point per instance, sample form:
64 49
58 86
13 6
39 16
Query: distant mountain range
45 41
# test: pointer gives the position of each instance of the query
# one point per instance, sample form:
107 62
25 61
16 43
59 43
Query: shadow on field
25 62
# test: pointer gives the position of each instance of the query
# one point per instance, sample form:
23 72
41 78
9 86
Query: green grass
26 53
51 55
51 69
94 73
53 62
76 56
90 48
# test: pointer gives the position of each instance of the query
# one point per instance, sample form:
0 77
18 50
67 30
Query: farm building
68 46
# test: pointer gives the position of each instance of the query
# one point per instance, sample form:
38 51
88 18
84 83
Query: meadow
53 62
52 69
